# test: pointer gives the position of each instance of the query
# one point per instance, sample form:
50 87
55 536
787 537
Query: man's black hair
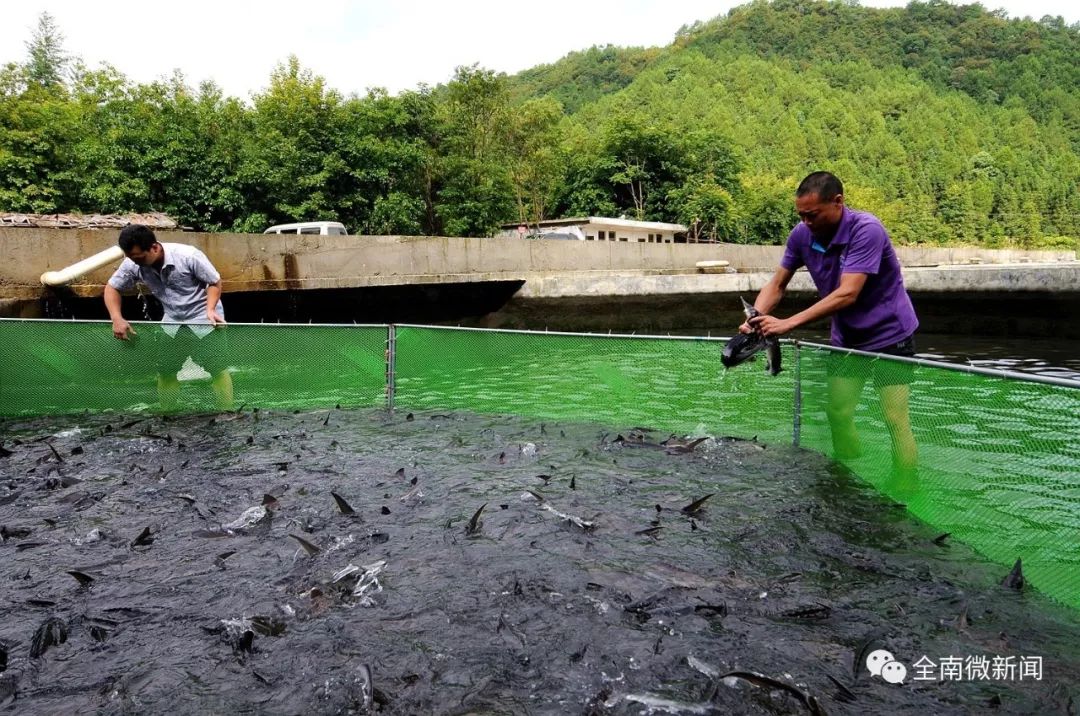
824 184
136 235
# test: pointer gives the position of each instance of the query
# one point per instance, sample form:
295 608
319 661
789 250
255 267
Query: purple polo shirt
882 315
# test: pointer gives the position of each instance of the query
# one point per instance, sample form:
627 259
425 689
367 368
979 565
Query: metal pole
796 420
391 358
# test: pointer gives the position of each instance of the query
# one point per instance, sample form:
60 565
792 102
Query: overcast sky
358 44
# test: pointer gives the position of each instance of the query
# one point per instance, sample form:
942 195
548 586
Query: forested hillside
952 123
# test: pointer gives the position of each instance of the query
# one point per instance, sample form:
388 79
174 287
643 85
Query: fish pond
341 562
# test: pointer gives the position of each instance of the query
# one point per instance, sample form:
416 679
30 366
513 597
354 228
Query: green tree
293 169
537 166
46 59
707 208
475 193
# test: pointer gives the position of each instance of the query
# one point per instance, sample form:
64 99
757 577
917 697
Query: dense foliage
952 123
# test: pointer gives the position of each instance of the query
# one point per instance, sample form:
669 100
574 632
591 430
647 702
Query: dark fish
844 693
635 441
77 450
311 549
267 626
4 452
573 482
409 417
213 534
327 421
54 452
269 501
145 538
41 603
695 506
400 473
52 633
818 611
344 506
475 525
7 533
677 448
219 561
99 633
744 345
940 539
810 702
84 580
385 510
203 511
867 645
961 620
1015 578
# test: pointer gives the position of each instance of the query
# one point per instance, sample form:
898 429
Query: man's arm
846 293
213 295
121 328
769 296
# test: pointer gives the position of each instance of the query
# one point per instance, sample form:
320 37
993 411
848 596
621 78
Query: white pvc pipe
72 272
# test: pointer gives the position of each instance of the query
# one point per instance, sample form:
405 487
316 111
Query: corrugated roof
604 221
85 221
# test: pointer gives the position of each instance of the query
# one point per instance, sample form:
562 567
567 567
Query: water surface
585 588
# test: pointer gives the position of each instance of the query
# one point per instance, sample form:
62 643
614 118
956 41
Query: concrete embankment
263 265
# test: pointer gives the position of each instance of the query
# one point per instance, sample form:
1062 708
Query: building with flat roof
600 228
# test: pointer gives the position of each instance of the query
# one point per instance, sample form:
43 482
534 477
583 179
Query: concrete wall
252 262
265 262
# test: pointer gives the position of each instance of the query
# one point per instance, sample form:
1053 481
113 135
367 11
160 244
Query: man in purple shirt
854 267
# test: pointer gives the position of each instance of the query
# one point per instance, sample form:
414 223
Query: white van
320 228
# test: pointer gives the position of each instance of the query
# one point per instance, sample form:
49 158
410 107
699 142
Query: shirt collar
168 262
840 238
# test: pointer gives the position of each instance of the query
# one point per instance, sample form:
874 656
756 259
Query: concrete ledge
714 267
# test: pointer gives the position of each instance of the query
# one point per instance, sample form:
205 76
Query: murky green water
584 588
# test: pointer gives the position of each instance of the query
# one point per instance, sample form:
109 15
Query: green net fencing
666 384
993 460
55 367
997 458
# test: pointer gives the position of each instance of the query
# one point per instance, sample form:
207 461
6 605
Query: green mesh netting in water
995 460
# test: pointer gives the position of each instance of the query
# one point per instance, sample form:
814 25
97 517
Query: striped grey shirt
180 285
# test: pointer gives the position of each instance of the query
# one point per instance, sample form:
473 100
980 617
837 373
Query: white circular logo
875 660
894 672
